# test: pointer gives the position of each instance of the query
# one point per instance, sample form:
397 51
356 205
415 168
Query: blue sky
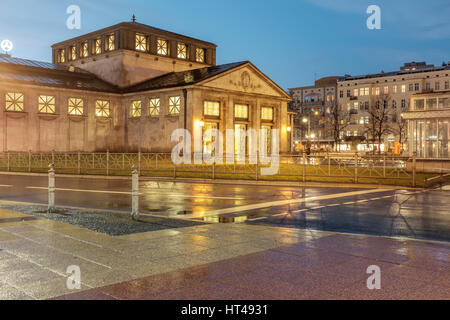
292 41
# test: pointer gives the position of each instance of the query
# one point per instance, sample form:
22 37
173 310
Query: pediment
247 79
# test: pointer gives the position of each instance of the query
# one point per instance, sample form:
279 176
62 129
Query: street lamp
305 120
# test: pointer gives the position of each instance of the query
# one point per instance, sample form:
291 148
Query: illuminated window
61 56
377 91
46 104
110 42
366 91
394 89
386 90
361 91
162 47
76 107
355 92
84 50
102 108
97 47
73 53
174 105
14 101
267 113
200 55
241 111
135 109
182 51
155 107
403 88
141 42
211 108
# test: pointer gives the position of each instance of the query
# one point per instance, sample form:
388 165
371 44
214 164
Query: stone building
126 88
356 94
429 125
313 107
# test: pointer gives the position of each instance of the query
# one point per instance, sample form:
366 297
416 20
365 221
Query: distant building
356 95
429 125
313 107
126 88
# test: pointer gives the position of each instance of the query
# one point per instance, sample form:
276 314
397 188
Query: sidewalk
214 261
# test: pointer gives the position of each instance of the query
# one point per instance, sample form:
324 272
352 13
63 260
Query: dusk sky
291 41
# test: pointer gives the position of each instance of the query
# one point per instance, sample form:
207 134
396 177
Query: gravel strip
109 223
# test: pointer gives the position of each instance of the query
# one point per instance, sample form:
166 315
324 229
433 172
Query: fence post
107 162
256 167
384 166
29 160
356 167
79 163
329 165
414 169
304 167
214 169
9 161
135 193
53 157
139 162
51 188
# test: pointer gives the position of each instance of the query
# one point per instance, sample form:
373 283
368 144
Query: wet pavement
389 212
214 261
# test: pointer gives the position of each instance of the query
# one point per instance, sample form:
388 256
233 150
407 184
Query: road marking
316 208
5 186
279 214
255 219
141 193
334 205
302 210
385 197
365 200
283 203
351 202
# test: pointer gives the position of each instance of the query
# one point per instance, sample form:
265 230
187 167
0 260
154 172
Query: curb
224 181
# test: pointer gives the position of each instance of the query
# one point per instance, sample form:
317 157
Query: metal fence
318 167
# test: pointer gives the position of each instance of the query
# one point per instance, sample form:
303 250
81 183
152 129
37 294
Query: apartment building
313 107
358 95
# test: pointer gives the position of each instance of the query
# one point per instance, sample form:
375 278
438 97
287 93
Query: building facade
362 97
127 88
429 125
313 107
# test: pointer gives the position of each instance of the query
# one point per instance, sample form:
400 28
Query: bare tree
337 122
379 114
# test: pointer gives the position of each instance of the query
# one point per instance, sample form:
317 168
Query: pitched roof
48 74
183 78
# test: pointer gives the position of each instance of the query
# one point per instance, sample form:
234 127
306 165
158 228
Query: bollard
135 193
414 169
304 167
51 188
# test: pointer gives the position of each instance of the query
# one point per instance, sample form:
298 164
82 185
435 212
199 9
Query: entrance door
239 131
208 138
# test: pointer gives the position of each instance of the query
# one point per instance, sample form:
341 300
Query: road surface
415 214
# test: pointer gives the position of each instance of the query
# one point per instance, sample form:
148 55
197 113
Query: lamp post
308 120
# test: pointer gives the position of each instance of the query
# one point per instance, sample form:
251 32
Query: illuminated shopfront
429 128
